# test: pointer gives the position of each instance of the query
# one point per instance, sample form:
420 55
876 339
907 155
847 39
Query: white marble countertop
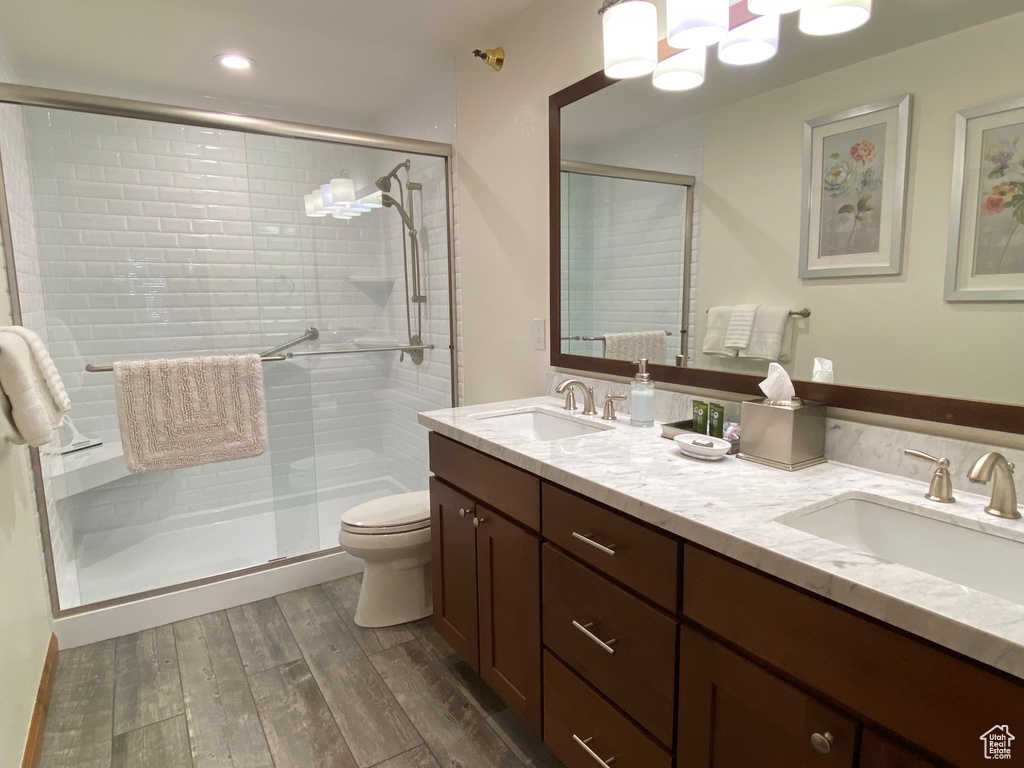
729 506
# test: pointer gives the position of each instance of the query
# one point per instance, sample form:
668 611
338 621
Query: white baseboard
118 620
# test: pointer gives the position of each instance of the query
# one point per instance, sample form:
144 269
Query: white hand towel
741 322
33 413
633 346
714 334
45 364
197 410
771 337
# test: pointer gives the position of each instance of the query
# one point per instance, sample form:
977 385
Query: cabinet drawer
574 713
514 492
930 697
639 557
616 642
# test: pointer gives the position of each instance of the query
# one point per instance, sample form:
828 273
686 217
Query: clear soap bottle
641 401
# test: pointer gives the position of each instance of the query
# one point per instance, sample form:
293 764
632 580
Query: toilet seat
399 513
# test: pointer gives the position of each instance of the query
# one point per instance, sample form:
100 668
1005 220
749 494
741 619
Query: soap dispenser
641 401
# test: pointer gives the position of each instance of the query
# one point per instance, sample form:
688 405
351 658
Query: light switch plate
540 336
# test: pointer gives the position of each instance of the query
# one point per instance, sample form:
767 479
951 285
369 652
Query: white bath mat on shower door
197 410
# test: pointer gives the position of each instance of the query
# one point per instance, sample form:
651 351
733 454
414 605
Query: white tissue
822 370
778 387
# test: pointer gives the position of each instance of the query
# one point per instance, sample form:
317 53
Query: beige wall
24 605
889 332
502 167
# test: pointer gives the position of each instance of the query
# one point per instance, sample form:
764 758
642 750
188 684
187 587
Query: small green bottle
716 419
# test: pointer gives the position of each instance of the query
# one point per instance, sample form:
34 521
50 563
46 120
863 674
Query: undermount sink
874 525
542 424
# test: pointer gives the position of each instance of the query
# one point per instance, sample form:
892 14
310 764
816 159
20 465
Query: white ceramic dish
702 447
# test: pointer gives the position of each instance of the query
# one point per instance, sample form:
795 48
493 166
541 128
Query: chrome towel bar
277 358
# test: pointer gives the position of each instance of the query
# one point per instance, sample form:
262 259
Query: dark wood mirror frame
967 413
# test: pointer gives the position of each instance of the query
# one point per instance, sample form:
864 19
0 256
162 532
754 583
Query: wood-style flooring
288 682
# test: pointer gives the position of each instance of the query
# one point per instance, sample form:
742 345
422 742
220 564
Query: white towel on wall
197 410
771 337
714 334
741 323
31 413
45 364
633 346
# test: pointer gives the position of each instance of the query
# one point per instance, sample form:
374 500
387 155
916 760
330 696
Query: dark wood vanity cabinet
657 652
486 571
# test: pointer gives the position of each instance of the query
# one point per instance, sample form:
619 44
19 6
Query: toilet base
397 580
391 595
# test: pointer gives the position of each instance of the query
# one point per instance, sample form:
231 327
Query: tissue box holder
788 436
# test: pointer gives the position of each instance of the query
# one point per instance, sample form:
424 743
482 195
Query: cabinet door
733 714
876 751
453 541
508 564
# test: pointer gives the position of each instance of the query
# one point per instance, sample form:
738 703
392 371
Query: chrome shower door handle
585 746
604 645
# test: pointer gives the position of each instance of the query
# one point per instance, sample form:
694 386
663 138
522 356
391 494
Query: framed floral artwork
854 191
985 260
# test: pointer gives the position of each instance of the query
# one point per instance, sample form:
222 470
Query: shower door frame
30 96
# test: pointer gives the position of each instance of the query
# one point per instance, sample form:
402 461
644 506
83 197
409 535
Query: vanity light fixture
235 62
630 38
682 71
696 23
833 17
774 7
751 43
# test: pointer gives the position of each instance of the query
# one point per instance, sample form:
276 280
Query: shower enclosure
141 231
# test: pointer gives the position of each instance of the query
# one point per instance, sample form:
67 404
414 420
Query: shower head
384 182
390 202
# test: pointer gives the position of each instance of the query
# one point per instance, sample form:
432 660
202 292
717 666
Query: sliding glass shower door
141 239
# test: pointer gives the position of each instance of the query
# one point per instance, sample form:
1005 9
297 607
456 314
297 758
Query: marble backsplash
848 442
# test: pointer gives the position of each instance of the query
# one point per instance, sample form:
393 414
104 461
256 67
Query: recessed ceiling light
235 61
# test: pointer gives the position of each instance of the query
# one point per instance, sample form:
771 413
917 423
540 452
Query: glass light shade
630 39
318 203
751 43
308 200
683 71
343 191
344 215
774 7
696 23
372 200
833 17
358 207
326 197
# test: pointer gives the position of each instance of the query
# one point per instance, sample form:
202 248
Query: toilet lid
389 514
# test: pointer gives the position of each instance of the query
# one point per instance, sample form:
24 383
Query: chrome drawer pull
586 537
822 742
606 645
585 744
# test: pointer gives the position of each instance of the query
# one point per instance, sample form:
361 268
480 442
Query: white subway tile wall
159 240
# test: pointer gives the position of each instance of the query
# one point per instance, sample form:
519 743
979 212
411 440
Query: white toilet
392 534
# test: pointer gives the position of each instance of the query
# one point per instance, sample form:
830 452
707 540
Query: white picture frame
985 250
855 191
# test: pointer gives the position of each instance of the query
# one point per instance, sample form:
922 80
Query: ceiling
350 58
632 105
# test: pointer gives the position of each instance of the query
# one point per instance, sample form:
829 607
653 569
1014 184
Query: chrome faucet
995 467
566 387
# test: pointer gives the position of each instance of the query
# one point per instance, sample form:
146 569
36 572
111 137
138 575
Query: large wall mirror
858 198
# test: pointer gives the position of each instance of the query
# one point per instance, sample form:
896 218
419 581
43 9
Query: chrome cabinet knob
462 513
822 742
477 521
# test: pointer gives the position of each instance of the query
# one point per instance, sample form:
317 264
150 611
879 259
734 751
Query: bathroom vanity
630 603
